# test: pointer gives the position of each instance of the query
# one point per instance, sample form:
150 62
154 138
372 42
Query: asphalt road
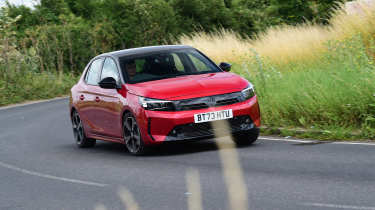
41 168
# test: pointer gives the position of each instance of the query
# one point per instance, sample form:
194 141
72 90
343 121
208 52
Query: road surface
41 168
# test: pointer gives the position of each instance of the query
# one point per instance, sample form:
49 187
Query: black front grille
206 129
194 106
227 102
209 101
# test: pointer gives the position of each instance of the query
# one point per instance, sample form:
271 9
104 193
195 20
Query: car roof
143 50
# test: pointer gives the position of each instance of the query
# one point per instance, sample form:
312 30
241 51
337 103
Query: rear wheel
246 138
132 135
79 134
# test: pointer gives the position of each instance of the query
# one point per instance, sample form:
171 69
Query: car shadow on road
171 148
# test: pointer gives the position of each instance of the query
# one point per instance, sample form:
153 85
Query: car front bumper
162 126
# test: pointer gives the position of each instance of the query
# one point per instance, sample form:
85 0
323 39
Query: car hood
192 86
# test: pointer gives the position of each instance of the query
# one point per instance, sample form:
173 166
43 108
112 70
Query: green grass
28 86
334 94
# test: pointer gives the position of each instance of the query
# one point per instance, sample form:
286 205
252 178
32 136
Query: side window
93 74
110 69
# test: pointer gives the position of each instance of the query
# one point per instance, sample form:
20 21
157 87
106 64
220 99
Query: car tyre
246 138
132 135
79 133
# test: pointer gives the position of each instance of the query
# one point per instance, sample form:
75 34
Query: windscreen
164 65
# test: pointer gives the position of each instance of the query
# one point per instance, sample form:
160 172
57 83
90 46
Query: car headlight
248 92
156 104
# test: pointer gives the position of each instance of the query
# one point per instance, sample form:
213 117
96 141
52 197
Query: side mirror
225 66
108 83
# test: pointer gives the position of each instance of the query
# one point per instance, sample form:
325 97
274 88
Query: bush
70 46
34 86
21 78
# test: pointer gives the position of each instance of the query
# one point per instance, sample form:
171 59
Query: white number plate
212 116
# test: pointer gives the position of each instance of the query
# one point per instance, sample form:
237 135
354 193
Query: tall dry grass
286 44
345 24
222 45
310 76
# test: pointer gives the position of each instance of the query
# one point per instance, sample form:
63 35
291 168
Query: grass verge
334 93
29 86
318 78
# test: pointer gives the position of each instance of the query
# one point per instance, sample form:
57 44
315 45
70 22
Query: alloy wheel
77 128
132 136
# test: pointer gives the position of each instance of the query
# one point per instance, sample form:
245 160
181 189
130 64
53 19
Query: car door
108 102
88 96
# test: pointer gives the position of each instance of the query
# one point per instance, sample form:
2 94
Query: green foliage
8 51
251 16
132 23
20 79
29 85
298 11
206 15
335 91
69 47
323 9
55 7
83 8
49 11
138 23
27 18
291 11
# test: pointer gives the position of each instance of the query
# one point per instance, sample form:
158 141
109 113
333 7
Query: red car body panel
102 110
192 86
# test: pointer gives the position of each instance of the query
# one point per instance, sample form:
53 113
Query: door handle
97 99
82 97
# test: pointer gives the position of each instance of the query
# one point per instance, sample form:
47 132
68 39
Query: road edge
321 135
32 102
314 141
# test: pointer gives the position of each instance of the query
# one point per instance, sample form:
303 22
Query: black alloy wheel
132 135
79 134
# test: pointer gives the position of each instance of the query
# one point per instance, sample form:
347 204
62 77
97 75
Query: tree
50 10
207 15
298 11
291 11
83 8
324 8
27 18
139 23
252 16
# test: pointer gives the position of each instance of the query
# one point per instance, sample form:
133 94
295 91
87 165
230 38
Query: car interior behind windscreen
163 65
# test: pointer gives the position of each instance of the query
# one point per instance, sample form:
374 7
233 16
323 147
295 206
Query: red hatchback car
150 95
